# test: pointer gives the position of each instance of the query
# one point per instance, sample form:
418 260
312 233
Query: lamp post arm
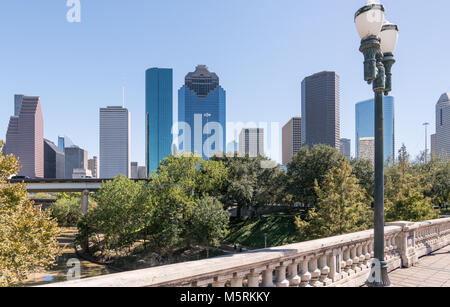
388 62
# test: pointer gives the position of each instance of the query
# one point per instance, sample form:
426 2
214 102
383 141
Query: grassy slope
280 229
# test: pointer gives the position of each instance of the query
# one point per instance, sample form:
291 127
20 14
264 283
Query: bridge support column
85 201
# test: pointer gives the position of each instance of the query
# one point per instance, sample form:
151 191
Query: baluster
268 277
355 258
348 262
315 272
294 279
325 269
281 281
335 266
367 254
386 248
236 281
253 277
395 251
218 283
361 255
305 275
204 283
343 263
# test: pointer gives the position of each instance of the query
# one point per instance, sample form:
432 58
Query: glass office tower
159 116
365 124
202 100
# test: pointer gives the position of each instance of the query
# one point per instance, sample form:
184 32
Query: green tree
364 172
249 184
119 216
28 237
307 168
176 187
342 206
210 222
436 174
405 198
67 211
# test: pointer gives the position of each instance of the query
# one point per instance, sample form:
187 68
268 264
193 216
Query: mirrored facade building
202 107
365 124
158 116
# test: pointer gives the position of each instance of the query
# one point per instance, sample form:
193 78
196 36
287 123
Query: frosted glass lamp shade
369 19
389 37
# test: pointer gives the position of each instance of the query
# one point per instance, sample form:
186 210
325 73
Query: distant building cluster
201 128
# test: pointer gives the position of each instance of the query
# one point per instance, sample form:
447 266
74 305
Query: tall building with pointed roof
443 126
202 107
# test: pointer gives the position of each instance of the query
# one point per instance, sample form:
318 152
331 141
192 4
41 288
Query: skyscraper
159 114
54 161
75 158
134 170
94 167
63 142
346 148
365 124
17 104
202 106
115 138
433 143
25 137
320 110
291 139
251 142
366 149
443 126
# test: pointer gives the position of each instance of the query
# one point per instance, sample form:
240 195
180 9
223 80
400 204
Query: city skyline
272 56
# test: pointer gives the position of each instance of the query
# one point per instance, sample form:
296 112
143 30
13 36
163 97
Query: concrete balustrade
336 261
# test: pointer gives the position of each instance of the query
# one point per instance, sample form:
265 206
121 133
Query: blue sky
261 50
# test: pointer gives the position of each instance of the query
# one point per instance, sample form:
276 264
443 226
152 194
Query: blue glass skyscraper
365 124
202 101
158 116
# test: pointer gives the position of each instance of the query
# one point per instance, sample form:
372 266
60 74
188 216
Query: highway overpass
83 186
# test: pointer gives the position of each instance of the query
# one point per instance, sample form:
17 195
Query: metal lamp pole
378 42
426 141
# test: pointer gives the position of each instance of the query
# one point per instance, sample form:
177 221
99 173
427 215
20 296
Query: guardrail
336 261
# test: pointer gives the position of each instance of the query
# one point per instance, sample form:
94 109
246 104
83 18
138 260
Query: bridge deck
431 271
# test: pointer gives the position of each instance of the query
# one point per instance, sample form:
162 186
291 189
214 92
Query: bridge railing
336 261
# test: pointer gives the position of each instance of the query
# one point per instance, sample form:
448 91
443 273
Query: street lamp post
378 41
426 141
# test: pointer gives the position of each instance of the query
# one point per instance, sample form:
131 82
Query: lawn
280 229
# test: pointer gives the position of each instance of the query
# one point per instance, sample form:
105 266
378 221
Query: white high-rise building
366 149
93 167
291 139
442 146
115 139
251 142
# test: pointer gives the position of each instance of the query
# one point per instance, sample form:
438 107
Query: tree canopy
342 206
28 237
